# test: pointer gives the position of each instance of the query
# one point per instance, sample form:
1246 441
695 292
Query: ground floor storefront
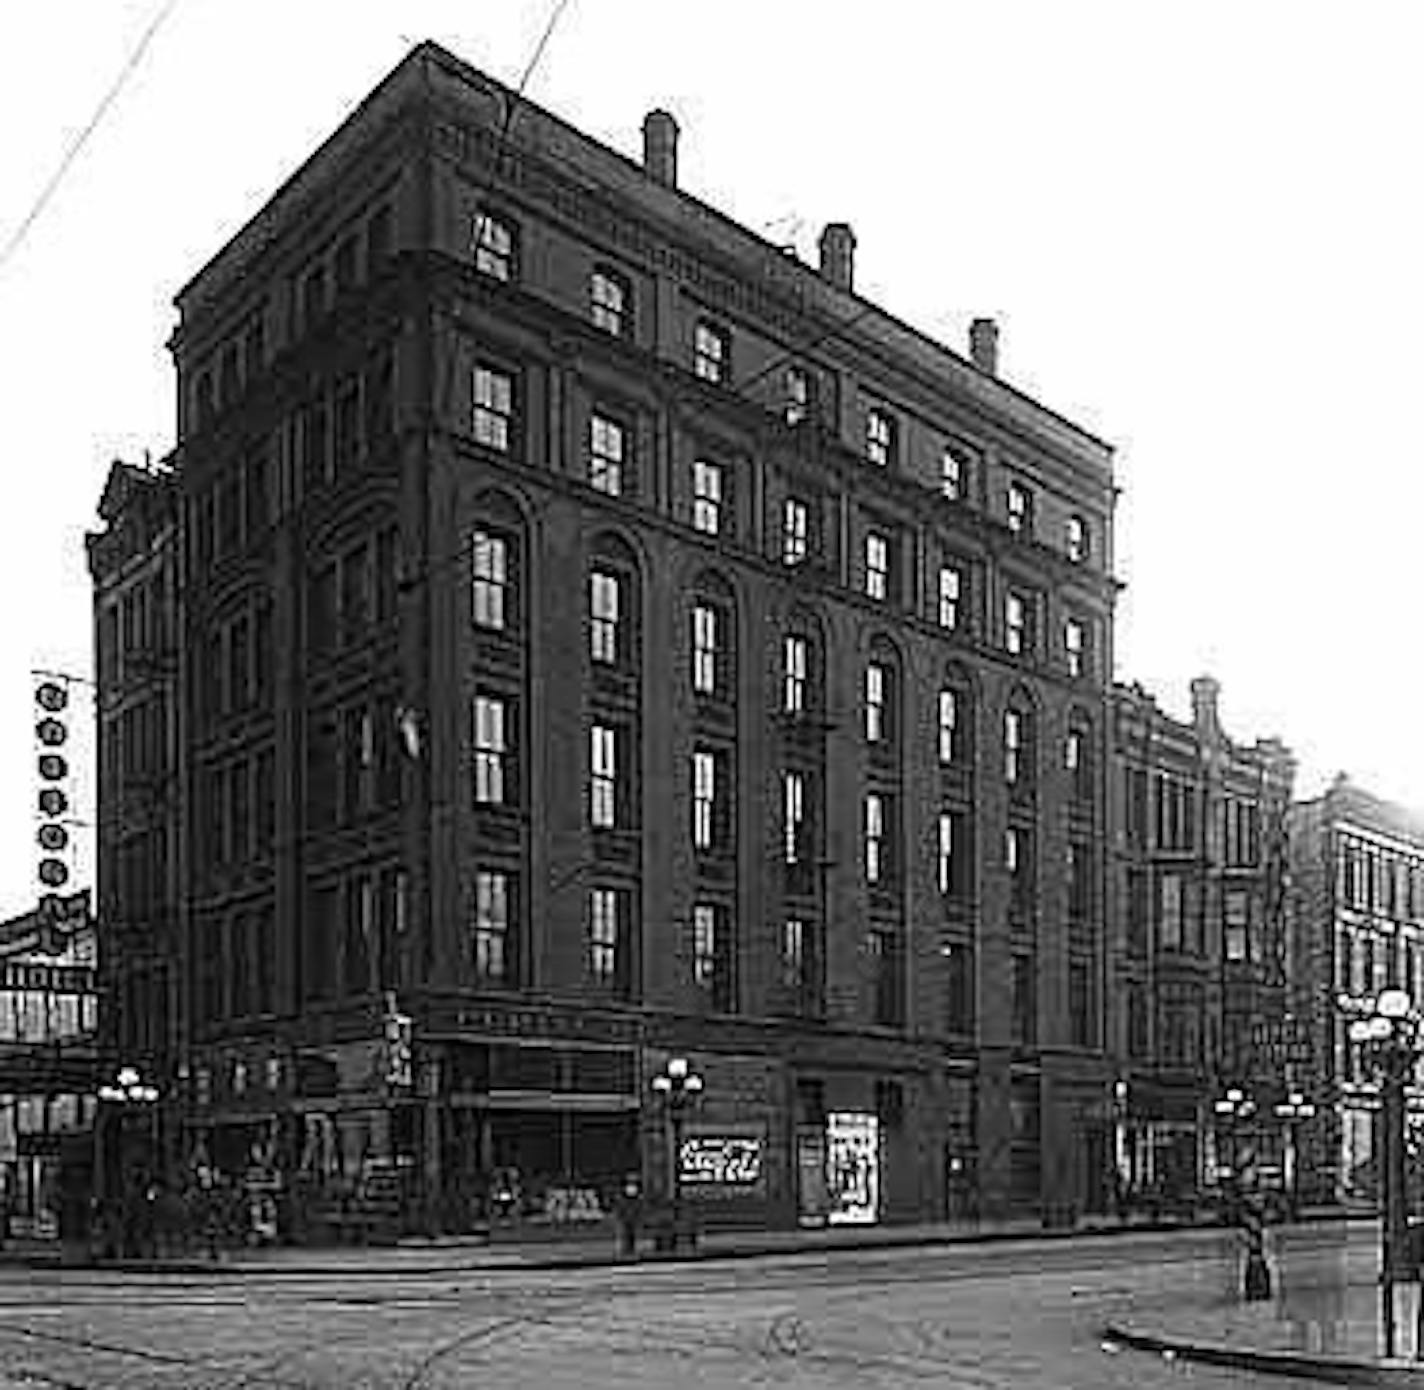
521 1118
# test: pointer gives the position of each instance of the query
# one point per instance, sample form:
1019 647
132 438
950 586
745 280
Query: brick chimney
984 345
1205 716
660 147
838 255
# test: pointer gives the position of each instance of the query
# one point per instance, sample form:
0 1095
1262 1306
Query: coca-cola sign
722 1159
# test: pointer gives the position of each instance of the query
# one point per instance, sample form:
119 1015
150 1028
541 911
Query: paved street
1020 1313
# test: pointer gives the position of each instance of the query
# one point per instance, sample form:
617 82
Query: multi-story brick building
1199 876
1357 927
608 637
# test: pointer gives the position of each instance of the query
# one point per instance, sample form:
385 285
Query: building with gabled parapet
1199 876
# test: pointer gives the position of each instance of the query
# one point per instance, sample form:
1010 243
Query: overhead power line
82 138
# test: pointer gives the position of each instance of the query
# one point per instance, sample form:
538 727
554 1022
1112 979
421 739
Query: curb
593 1259
1333 1370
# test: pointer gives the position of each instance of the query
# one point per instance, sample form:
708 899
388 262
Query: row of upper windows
609 448
1372 879
494 246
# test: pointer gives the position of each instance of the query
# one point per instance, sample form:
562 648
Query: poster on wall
853 1168
811 1195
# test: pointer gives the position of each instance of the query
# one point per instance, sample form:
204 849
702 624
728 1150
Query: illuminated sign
48 979
724 1159
853 1168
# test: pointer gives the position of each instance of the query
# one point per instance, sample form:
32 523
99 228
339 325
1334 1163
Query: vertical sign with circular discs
52 835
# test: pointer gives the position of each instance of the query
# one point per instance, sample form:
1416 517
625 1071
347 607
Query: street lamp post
1387 1030
127 1089
1291 1111
1235 1107
678 1086
1122 1155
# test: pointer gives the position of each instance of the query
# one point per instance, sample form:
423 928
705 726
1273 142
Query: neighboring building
49 1064
134 565
607 638
1357 876
1200 962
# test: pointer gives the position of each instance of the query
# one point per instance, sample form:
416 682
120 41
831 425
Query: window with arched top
1078 758
880 698
1019 745
954 721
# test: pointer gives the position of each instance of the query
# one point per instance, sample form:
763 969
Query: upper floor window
877 565
1076 762
495 241
609 302
704 798
1075 646
954 720
705 649
603 776
707 497
604 616
875 837
1079 539
795 531
491 750
711 352
793 787
491 580
797 387
954 472
1016 625
606 951
954 861
1015 747
877 681
492 925
712 954
794 661
494 408
951 583
879 437
1020 502
606 443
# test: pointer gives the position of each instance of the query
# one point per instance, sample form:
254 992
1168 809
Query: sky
1197 225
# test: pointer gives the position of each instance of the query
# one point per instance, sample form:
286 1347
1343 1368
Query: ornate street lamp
1233 1109
1291 1111
677 1085
128 1089
1387 1030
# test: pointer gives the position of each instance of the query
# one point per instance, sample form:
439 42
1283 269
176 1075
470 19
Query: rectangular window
793 953
875 836
605 455
1020 509
1025 999
954 473
946 851
1074 646
494 408
1015 624
604 953
1080 1004
704 798
493 240
707 497
797 395
1169 912
877 565
603 782
794 685
1075 761
795 531
1236 923
490 750
492 926
491 581
875 681
704 649
959 987
603 610
710 352
1018 863
1080 883
1013 746
950 585
608 295
949 726
793 798
879 438
710 955
1077 539
885 953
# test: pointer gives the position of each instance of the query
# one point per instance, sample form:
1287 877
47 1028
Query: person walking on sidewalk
630 1216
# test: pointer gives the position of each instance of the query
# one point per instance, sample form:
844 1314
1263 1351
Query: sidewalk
452 1254
1326 1325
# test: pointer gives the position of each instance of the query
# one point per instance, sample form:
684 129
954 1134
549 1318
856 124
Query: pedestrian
630 1216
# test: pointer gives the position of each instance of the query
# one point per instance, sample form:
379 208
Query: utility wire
80 140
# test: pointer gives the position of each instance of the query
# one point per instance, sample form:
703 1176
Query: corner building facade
610 638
